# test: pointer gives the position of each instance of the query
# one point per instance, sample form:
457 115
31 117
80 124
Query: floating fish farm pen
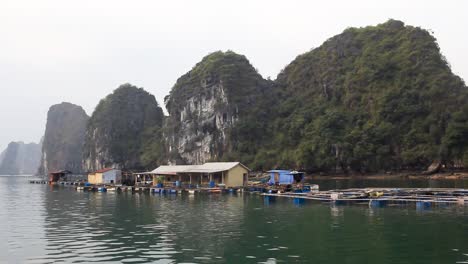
380 197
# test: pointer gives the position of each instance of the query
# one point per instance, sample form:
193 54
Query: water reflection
43 225
336 211
138 228
21 219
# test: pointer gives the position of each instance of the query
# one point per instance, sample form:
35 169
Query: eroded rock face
123 131
203 124
62 147
96 155
20 159
206 105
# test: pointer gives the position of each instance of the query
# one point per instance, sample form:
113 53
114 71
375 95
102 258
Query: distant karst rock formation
62 147
373 99
124 131
2 156
378 98
217 111
20 159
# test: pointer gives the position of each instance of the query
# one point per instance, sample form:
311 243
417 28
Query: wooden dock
83 186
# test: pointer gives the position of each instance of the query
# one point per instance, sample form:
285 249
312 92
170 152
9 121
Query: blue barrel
212 184
87 184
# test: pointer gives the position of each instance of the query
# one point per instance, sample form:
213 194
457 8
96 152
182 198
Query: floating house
285 177
55 176
105 176
229 174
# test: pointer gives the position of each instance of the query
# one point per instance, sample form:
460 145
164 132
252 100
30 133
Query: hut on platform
105 176
229 174
59 175
285 177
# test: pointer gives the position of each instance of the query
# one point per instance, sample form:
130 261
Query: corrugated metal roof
212 167
171 169
209 167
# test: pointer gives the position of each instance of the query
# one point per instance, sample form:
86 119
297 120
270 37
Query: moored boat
214 190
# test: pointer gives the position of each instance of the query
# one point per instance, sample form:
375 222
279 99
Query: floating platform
379 197
76 183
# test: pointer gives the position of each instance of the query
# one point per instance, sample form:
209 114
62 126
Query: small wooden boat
214 190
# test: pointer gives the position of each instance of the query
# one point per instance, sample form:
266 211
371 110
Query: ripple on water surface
40 224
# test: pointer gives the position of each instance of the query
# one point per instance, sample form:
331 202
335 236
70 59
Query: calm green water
40 224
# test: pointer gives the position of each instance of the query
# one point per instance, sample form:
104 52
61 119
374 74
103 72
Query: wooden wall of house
235 176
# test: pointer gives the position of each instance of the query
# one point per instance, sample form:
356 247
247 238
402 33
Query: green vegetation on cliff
370 99
124 131
223 100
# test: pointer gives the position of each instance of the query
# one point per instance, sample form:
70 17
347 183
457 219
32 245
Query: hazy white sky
79 51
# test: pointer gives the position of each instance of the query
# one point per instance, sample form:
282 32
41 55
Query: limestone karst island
163 139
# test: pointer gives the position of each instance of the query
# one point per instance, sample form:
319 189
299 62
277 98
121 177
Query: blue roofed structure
285 177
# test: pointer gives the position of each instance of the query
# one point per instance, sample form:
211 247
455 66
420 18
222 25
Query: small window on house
112 181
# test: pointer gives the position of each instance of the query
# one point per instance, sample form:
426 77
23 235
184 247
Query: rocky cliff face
378 98
20 158
202 125
62 147
2 156
207 104
123 131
